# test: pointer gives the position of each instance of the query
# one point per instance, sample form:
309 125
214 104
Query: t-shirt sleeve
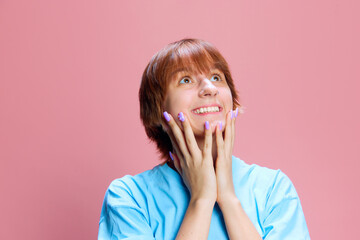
122 216
285 218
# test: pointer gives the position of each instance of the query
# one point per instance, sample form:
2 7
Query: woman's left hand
238 224
223 164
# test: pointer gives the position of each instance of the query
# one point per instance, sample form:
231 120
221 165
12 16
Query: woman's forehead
193 70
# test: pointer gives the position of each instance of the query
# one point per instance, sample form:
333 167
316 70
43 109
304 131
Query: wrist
202 203
227 200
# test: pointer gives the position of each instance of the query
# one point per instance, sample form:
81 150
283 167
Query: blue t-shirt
152 205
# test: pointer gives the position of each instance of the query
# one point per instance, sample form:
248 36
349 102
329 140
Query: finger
176 161
233 128
175 145
176 155
219 142
179 159
189 135
178 135
207 149
228 130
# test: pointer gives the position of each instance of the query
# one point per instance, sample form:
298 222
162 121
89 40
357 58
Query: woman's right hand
194 165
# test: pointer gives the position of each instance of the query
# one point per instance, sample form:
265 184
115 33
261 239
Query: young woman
188 105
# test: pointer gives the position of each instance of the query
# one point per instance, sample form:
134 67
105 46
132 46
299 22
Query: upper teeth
207 109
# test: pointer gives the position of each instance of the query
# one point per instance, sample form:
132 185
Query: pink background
69 124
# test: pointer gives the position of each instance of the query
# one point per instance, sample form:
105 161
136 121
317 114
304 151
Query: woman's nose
208 88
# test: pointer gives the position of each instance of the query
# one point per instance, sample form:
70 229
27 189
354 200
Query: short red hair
196 53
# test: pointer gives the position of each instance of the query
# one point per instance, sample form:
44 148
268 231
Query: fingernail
232 114
171 156
207 125
242 109
166 116
220 125
181 116
237 112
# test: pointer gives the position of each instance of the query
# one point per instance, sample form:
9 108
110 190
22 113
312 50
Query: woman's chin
214 124
199 129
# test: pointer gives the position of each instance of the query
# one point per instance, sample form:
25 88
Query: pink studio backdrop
69 115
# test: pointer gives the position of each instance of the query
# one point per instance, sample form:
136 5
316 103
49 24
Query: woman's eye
215 78
185 80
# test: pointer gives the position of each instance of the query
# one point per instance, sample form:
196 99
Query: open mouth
205 110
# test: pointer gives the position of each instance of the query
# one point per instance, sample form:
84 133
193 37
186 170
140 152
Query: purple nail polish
207 125
232 114
220 125
171 156
166 116
237 112
181 117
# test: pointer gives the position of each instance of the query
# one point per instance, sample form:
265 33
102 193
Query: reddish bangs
198 56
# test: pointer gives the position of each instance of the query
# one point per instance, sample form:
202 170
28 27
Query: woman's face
201 96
